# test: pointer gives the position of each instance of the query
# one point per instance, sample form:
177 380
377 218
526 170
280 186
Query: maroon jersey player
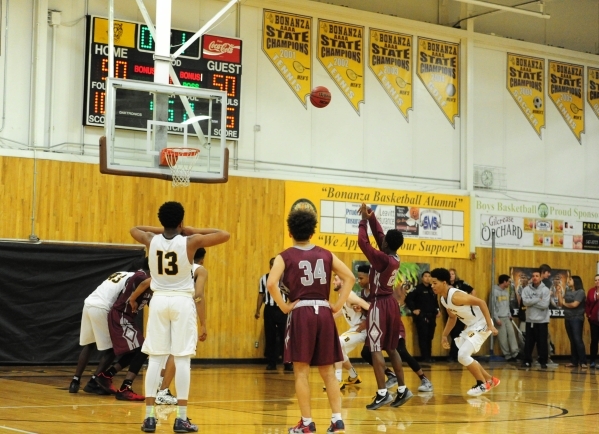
384 317
311 337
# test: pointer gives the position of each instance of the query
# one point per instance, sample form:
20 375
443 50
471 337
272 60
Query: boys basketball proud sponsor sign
287 42
526 84
390 59
439 70
593 89
432 224
341 53
566 90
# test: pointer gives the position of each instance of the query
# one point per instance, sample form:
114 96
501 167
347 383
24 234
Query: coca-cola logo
221 47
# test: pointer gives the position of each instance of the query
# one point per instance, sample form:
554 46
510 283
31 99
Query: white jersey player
172 325
474 313
354 312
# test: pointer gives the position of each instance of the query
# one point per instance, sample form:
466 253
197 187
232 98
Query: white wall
377 147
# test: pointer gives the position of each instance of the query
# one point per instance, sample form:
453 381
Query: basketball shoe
106 384
301 428
164 397
149 424
493 382
351 380
391 381
74 386
478 389
338 427
127 394
402 398
93 387
184 426
425 385
379 401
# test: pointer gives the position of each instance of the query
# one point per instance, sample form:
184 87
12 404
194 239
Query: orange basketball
320 97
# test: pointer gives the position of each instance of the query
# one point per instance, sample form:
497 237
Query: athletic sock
77 379
401 389
352 373
126 383
182 412
338 374
110 372
422 377
382 392
149 411
306 420
335 417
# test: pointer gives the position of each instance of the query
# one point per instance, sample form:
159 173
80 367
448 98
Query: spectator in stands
500 312
573 303
592 313
423 303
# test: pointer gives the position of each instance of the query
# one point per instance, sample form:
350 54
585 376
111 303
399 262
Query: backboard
142 118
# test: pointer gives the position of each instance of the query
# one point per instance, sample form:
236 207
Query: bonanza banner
390 59
593 89
565 90
526 83
439 71
287 42
434 225
341 53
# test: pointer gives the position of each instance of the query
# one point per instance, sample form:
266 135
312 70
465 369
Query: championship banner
433 225
565 90
390 59
526 83
341 53
287 42
439 71
124 33
593 89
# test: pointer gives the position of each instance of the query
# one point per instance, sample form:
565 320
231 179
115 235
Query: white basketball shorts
477 334
94 328
172 325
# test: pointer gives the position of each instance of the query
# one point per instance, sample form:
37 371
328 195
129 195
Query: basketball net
181 161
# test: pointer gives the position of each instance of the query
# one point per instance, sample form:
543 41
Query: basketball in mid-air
320 97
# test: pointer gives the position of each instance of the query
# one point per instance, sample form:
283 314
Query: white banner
509 231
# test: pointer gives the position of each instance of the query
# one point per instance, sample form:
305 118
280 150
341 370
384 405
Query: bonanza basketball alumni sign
526 84
287 42
593 89
439 71
565 90
390 59
341 53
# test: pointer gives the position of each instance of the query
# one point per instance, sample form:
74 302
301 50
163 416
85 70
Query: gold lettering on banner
341 53
593 89
526 83
390 59
287 42
439 70
565 90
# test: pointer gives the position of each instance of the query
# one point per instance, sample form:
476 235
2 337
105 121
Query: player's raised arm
144 234
272 284
348 279
377 259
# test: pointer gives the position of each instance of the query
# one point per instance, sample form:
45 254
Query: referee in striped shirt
275 322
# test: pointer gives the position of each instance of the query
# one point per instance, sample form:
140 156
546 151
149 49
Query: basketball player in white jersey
172 325
354 312
474 313
94 329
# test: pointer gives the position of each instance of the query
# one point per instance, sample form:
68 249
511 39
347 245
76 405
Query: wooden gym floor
248 399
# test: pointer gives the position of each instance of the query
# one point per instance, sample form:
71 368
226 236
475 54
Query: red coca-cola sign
221 49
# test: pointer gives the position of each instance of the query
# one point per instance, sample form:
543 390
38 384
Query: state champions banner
593 89
566 91
439 70
341 53
390 59
526 84
287 42
434 225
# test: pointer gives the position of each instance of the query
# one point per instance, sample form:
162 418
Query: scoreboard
212 63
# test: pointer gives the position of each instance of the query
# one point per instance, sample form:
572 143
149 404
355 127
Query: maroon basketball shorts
125 334
311 337
384 324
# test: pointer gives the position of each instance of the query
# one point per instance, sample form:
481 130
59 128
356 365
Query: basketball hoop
180 161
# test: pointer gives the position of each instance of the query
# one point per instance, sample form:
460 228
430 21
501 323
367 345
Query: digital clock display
212 63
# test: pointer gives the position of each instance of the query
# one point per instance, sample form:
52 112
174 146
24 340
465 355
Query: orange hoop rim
181 152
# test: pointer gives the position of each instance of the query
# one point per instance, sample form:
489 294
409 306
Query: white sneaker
425 385
164 397
478 390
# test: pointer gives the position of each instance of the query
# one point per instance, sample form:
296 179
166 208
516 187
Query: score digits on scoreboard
212 63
